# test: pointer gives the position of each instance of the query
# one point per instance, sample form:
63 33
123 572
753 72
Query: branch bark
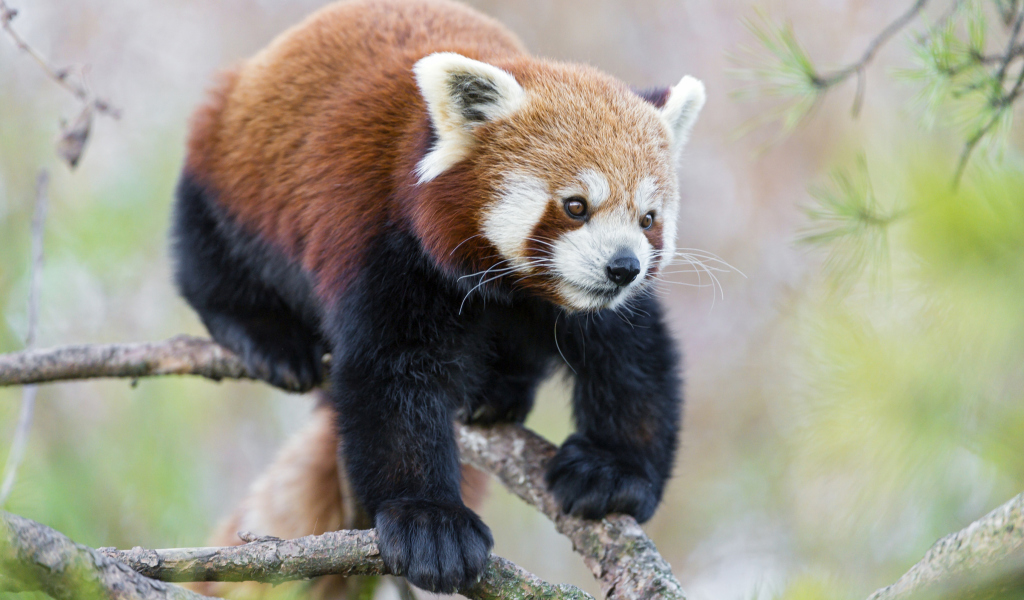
344 553
620 555
984 554
181 355
35 557
622 558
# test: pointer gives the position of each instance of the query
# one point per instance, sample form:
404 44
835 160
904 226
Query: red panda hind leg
301 494
252 302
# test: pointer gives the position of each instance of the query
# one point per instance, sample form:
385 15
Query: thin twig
28 397
1010 44
61 76
823 82
940 22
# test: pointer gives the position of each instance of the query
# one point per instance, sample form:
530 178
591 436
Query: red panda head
577 172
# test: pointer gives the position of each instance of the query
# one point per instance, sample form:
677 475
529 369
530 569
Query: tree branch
823 82
622 558
620 555
60 76
35 557
181 355
343 553
984 551
74 135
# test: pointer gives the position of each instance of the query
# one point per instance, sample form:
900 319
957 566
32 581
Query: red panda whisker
498 276
559 348
486 271
463 242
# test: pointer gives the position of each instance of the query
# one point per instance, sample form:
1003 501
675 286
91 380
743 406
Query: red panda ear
656 96
461 93
680 110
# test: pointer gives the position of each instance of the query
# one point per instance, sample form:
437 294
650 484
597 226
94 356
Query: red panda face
579 172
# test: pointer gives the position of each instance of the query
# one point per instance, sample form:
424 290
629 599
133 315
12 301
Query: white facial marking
597 186
647 195
591 185
460 94
581 257
510 221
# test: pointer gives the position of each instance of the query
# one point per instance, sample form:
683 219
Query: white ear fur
681 109
460 93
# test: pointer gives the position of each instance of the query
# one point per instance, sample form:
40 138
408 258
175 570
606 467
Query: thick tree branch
35 557
344 553
620 555
984 554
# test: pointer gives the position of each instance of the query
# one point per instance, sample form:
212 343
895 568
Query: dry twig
74 135
28 397
823 82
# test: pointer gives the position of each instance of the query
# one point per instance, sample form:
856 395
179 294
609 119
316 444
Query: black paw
591 482
294 367
440 548
281 353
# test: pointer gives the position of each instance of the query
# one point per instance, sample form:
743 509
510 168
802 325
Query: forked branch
622 558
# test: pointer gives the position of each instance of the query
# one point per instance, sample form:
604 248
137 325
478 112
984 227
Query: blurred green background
849 401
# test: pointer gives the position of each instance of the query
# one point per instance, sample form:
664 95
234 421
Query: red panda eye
648 221
576 207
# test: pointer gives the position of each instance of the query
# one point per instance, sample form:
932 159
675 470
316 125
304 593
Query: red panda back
302 141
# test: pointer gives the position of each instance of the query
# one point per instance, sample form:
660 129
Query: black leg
627 403
218 272
404 360
519 357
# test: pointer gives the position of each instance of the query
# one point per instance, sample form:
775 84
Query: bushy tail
302 494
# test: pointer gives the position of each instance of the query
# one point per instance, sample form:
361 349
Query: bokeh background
838 420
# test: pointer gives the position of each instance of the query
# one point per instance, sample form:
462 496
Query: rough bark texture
984 554
335 553
181 355
621 557
35 557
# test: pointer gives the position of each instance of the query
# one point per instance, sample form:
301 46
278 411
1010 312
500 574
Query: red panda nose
623 268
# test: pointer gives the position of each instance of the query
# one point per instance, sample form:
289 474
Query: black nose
623 268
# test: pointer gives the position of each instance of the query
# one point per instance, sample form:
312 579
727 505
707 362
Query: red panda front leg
404 359
626 403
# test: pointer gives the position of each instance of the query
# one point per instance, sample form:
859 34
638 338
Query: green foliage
780 68
963 79
909 403
850 223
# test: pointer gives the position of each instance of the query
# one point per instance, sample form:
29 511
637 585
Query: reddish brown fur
313 142
292 143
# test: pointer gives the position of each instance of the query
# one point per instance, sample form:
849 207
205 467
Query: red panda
399 184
